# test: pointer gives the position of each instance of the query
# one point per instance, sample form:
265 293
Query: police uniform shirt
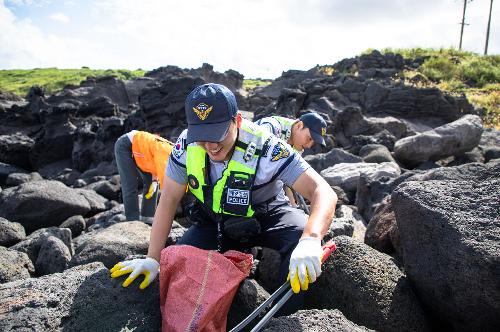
274 127
279 164
271 125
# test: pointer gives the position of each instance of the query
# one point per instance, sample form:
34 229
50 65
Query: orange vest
151 153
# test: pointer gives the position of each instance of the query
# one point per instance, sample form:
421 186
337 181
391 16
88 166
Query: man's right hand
147 266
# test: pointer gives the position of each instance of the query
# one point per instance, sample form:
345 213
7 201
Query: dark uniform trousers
281 229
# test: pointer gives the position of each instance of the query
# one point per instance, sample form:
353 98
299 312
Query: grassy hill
19 81
453 71
459 72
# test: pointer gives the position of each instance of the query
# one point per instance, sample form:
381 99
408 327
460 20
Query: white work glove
152 189
147 266
305 263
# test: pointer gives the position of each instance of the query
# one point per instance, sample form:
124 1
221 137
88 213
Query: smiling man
235 169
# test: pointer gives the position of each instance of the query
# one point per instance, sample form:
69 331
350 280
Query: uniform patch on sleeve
178 149
279 152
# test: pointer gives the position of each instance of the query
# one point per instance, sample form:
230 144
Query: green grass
411 53
19 81
252 84
447 64
459 72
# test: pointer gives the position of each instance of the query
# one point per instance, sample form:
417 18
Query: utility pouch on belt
241 228
196 213
237 194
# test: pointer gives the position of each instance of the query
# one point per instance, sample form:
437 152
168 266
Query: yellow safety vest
232 193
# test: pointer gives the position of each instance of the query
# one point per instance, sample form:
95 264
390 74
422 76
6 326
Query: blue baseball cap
316 125
209 111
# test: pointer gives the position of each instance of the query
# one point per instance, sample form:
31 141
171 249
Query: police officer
233 168
300 133
145 155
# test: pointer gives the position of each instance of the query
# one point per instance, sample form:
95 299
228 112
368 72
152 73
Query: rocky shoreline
417 222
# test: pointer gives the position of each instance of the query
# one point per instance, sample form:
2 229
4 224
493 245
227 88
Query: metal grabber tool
328 248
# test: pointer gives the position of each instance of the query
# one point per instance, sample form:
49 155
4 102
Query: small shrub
479 72
491 103
438 69
452 85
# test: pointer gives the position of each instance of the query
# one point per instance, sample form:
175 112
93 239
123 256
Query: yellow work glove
305 263
152 189
147 266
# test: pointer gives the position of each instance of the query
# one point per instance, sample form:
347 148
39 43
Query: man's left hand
152 189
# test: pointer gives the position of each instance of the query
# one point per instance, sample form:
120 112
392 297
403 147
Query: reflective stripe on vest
242 162
286 126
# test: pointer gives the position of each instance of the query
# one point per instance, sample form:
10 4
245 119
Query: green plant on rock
479 71
439 69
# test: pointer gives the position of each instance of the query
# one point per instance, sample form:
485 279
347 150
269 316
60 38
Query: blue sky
258 38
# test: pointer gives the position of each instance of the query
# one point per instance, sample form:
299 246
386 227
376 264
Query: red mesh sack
197 287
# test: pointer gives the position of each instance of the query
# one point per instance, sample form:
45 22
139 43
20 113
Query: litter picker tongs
328 248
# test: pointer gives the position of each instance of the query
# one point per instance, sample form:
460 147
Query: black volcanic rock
16 149
113 244
373 60
94 142
15 179
55 142
55 254
83 298
7 100
335 156
448 140
14 265
101 106
10 233
40 204
162 106
368 288
69 137
314 320
450 234
410 102
91 89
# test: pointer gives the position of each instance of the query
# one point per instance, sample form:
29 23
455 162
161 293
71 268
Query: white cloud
21 2
259 38
24 45
59 17
38 3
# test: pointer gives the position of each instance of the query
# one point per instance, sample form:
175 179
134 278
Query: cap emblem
323 131
202 110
